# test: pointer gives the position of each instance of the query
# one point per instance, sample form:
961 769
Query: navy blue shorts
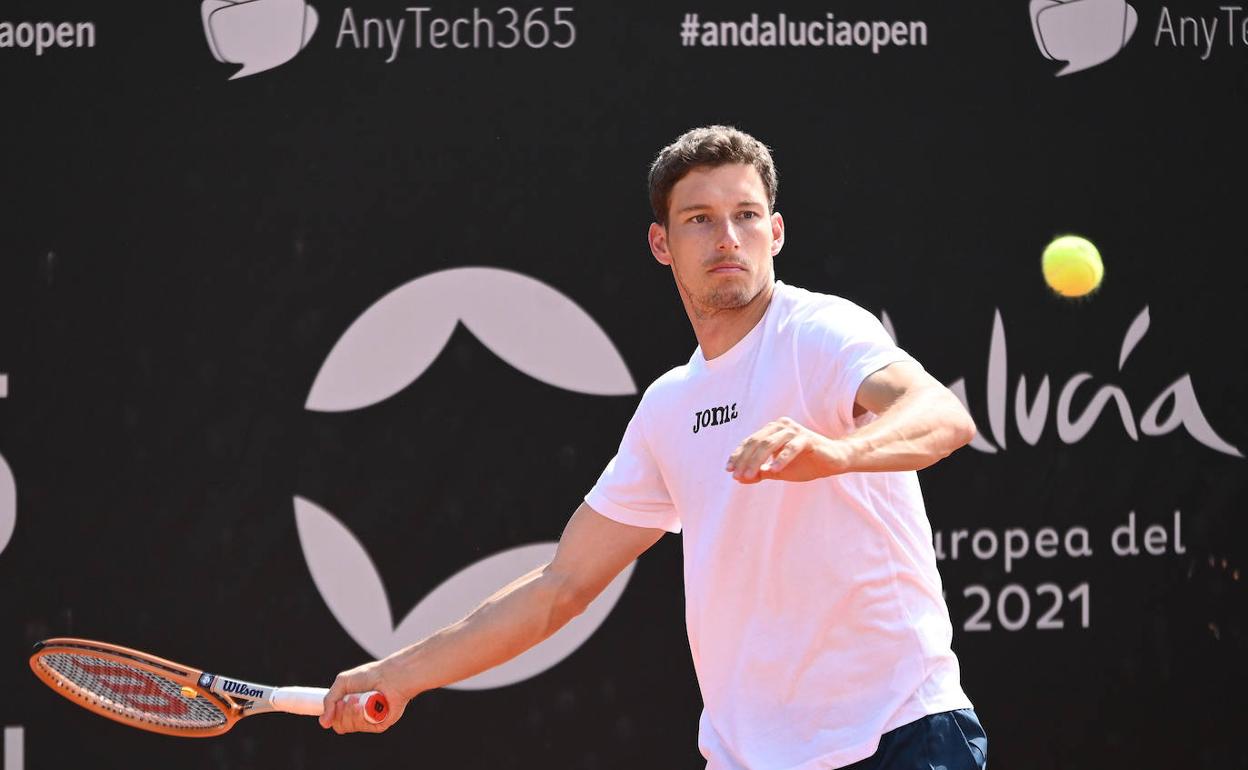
953 740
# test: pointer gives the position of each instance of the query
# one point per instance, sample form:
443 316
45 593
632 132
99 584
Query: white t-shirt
814 610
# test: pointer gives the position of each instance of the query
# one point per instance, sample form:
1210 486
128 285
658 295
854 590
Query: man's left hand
785 450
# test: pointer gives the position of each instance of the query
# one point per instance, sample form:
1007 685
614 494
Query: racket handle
310 701
376 707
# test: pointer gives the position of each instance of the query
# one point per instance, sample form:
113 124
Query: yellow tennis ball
1072 266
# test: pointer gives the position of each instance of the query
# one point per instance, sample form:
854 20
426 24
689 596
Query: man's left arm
918 422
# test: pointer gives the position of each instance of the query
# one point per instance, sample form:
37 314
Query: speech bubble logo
1082 33
258 34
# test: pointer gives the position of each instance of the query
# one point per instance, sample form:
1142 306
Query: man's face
720 237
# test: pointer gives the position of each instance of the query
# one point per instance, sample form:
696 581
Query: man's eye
749 215
698 219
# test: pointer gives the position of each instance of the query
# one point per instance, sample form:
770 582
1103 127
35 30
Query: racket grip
310 701
375 706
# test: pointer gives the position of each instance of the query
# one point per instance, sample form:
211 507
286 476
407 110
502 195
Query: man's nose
728 240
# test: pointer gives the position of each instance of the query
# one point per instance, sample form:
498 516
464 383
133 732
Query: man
786 450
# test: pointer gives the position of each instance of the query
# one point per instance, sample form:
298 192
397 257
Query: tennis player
786 451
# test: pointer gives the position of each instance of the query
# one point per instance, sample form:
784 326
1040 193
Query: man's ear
777 233
658 243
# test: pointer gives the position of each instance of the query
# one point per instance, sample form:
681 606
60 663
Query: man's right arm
592 551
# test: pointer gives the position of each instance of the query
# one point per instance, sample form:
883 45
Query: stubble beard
727 297
720 298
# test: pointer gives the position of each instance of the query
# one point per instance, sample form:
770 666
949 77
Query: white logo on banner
258 34
1082 33
531 327
1177 400
8 487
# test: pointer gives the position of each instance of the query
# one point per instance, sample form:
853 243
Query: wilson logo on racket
238 688
531 327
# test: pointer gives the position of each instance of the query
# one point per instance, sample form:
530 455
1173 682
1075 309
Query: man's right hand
348 716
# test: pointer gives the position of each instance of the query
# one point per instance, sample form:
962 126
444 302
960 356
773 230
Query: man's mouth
728 268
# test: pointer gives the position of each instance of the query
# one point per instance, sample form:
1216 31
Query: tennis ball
1072 266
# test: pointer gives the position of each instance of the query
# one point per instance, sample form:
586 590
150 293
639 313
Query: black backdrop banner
316 322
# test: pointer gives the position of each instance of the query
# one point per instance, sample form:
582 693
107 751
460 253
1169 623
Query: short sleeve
849 345
631 489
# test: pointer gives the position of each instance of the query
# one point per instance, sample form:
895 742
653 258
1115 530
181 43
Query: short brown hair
708 146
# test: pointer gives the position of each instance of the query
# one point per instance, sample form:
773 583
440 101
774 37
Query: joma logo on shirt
717 415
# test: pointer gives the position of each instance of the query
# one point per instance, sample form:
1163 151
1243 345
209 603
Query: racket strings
131 693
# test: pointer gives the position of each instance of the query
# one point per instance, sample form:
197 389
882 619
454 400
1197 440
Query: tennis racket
152 693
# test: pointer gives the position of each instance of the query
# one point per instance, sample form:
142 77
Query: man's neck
717 330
